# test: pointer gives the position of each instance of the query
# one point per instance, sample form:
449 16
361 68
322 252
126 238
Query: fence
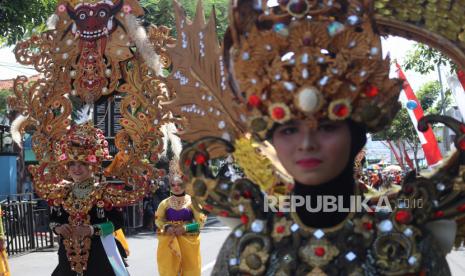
25 224
133 217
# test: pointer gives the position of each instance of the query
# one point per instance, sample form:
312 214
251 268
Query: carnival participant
178 226
4 268
102 223
84 209
313 81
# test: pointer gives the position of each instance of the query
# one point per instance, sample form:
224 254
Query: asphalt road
142 260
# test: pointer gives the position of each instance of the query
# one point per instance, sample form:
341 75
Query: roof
8 84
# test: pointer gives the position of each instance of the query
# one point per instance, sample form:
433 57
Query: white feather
169 134
15 130
139 36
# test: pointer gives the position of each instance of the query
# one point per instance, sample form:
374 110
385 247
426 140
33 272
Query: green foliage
21 18
4 93
401 129
161 12
424 59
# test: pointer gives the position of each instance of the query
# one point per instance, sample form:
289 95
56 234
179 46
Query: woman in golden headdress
308 77
178 226
85 210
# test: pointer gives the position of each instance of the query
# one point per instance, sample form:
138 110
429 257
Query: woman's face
176 186
313 156
79 171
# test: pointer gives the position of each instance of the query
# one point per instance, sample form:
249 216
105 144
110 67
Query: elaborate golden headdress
111 60
175 172
83 143
311 60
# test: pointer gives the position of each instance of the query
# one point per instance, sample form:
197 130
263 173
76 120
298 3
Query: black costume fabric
98 264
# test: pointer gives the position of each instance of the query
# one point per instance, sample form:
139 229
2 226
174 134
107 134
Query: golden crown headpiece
83 143
311 60
175 172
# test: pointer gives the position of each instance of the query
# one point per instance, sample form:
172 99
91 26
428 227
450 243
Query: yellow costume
4 268
119 235
178 255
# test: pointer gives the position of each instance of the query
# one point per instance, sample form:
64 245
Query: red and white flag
457 86
427 139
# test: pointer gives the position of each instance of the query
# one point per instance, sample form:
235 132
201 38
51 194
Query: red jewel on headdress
254 101
244 219
371 91
403 216
280 229
187 162
247 194
278 113
200 159
319 251
341 110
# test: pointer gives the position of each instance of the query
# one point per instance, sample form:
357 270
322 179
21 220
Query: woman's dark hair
358 134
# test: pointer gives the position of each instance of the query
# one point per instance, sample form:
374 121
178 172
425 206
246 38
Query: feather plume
16 129
139 36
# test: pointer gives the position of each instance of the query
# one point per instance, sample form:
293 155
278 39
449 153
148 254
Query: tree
424 59
161 12
403 133
21 18
4 93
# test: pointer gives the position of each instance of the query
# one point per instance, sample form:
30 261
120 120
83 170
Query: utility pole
445 132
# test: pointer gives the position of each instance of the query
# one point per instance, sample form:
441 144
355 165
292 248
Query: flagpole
427 139
445 138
